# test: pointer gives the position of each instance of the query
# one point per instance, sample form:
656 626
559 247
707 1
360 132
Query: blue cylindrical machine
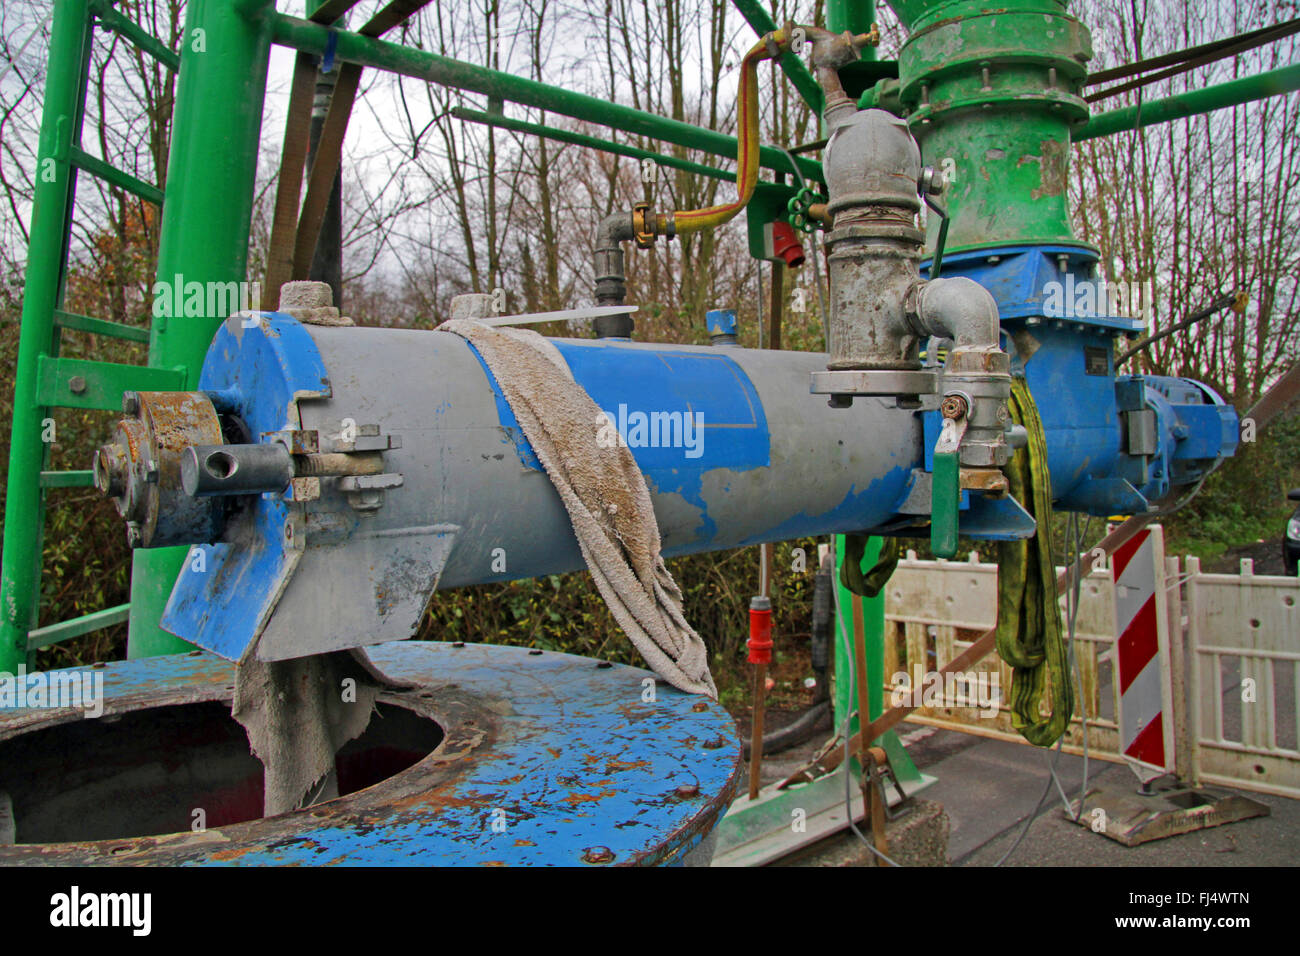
411 473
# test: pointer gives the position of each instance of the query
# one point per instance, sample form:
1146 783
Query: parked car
1291 540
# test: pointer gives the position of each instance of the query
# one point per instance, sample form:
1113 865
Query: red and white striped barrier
1142 655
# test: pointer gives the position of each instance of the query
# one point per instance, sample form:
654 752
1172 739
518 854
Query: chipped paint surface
564 746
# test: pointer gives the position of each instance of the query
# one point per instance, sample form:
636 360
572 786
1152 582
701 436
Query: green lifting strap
870 584
1029 620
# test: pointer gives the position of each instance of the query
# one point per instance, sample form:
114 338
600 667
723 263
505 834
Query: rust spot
574 799
1052 169
598 854
614 766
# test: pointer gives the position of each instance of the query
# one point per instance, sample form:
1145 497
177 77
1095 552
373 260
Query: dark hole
220 465
145 773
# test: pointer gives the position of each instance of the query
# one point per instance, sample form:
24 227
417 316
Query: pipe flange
140 468
875 382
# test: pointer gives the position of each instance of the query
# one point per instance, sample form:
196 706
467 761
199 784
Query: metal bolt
933 181
953 406
716 743
131 403
700 708
77 385
687 790
598 854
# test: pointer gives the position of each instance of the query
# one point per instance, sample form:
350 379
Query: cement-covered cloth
298 713
604 493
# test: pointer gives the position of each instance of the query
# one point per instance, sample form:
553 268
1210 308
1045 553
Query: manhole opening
146 772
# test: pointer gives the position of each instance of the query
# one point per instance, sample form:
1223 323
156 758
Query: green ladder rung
111 174
85 323
132 31
67 479
67 630
82 383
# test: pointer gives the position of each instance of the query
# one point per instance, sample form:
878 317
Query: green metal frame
1030 95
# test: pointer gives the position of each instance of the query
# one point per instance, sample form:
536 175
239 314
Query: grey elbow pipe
611 273
959 308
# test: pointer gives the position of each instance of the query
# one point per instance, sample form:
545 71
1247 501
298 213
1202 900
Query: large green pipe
993 96
24 511
432 68
211 173
1233 93
591 142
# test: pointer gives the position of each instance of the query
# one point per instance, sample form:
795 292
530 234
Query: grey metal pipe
611 273
208 470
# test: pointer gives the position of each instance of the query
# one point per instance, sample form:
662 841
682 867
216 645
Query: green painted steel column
992 97
210 179
856 16
24 511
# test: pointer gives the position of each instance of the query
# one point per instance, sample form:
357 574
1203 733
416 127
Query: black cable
1218 305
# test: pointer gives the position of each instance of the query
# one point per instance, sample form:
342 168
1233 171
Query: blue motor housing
1116 444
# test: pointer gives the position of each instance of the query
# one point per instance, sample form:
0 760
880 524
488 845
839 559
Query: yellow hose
696 220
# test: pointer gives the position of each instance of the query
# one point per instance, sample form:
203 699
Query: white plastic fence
1233 667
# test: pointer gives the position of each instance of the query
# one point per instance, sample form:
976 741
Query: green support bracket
134 33
77 626
111 174
83 383
767 205
67 479
591 142
84 323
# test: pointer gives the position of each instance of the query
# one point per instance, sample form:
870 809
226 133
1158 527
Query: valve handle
945 488
799 209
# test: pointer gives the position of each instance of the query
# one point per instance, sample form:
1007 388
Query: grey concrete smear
297 714
8 832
